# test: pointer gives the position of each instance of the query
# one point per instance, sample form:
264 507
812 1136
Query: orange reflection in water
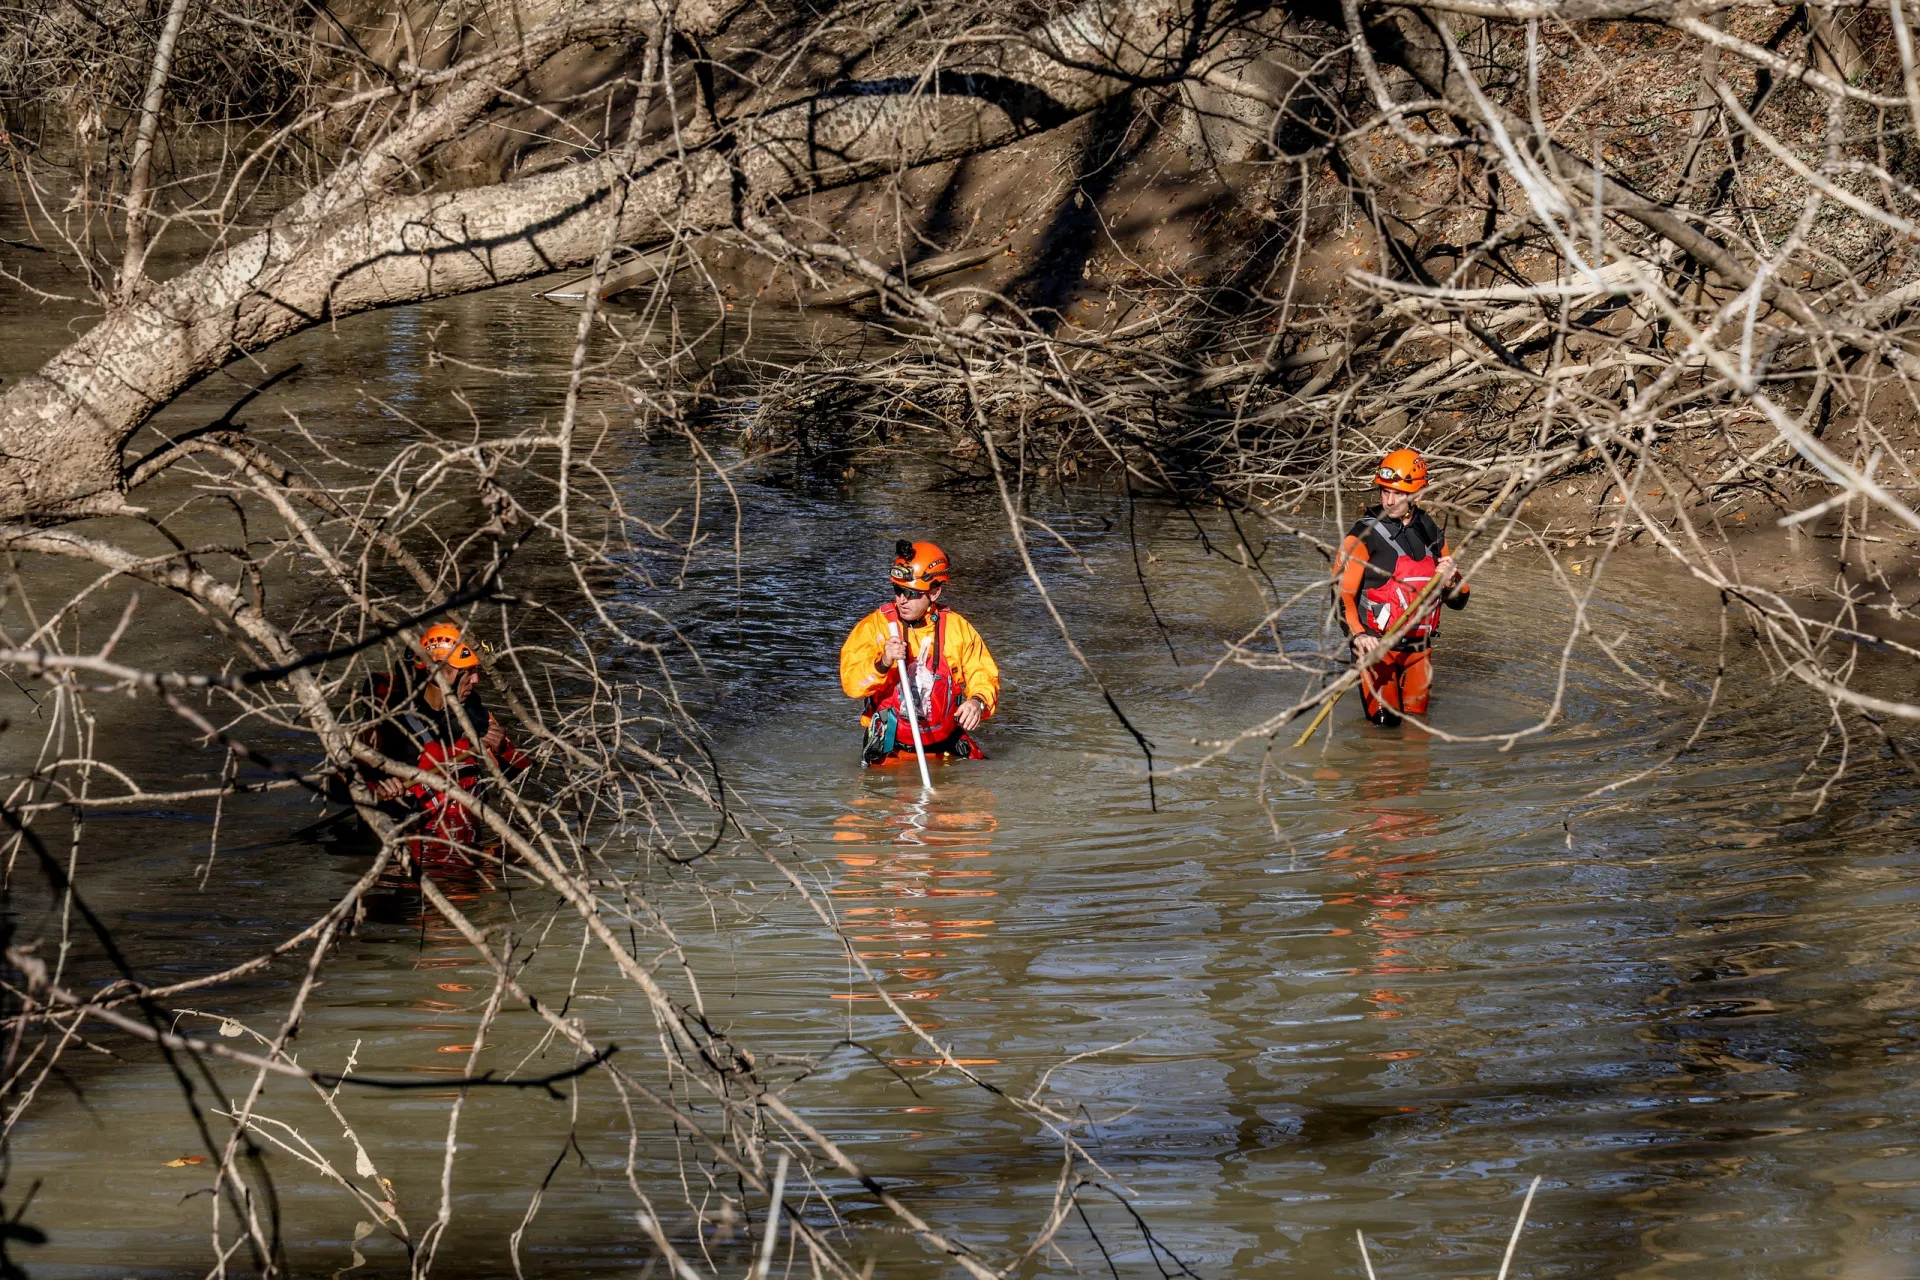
1387 883
441 947
898 858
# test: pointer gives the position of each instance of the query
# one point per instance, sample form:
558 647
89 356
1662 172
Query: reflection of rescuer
956 684
418 725
1390 555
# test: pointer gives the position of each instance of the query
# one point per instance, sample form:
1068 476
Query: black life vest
432 741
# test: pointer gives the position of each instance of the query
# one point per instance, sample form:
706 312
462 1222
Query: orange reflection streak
1385 892
896 859
445 948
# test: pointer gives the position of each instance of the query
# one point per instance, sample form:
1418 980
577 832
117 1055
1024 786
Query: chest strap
1389 531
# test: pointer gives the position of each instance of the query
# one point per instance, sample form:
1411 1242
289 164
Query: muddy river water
1413 979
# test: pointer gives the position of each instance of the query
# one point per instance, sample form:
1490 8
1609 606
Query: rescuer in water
418 725
1390 555
956 684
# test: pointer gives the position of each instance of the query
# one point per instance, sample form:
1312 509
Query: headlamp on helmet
1402 470
444 647
917 566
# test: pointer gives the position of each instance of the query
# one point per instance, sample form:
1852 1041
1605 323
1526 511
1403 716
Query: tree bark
63 429
140 172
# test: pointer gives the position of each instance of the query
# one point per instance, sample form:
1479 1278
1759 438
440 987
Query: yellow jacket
975 674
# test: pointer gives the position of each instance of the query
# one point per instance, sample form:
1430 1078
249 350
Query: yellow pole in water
1331 703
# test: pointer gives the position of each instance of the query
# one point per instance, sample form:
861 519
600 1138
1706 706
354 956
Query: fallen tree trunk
643 272
62 430
915 272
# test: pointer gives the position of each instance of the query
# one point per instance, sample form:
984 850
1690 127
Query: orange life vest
933 681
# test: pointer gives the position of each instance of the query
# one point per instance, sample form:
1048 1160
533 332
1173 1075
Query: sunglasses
908 593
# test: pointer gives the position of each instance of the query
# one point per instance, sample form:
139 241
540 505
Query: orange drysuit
962 669
1381 568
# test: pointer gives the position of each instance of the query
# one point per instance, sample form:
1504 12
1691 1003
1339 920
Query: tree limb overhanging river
1377 984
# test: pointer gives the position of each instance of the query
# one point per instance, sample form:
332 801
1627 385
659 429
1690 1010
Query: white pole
1521 1221
913 717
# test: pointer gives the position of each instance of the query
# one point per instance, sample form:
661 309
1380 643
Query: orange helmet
1403 469
444 646
917 566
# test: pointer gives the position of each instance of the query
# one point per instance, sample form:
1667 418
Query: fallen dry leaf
186 1160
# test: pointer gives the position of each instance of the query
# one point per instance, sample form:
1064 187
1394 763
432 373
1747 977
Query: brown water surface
1419 976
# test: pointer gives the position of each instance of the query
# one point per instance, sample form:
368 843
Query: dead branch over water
1652 261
